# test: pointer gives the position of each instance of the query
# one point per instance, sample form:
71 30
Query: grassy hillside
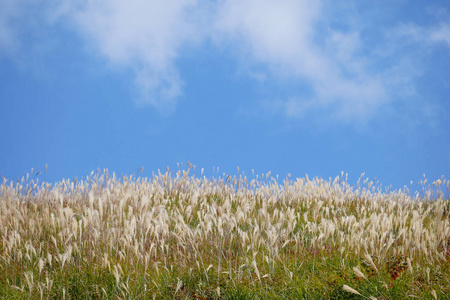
177 236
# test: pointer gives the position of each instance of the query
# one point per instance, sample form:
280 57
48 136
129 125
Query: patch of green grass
187 238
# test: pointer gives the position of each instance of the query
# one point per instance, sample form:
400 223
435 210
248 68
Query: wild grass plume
178 236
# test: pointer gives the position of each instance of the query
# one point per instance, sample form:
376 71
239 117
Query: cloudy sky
287 86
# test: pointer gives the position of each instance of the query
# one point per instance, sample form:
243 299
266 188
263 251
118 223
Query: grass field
180 236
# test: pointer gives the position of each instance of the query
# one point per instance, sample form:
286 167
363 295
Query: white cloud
419 37
408 48
441 34
354 70
283 34
146 35
275 31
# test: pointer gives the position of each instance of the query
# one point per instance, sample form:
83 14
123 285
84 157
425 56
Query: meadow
178 235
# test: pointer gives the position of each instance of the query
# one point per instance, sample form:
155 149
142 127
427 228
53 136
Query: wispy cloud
406 48
441 34
11 13
420 36
144 35
355 71
284 35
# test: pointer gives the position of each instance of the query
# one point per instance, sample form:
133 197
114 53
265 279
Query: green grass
175 236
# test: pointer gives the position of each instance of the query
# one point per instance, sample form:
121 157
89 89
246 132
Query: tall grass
176 235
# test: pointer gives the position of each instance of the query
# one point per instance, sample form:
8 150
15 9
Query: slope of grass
177 236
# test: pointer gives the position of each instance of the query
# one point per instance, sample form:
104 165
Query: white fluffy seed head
369 258
349 289
359 273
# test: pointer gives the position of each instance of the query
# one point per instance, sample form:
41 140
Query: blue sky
287 86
